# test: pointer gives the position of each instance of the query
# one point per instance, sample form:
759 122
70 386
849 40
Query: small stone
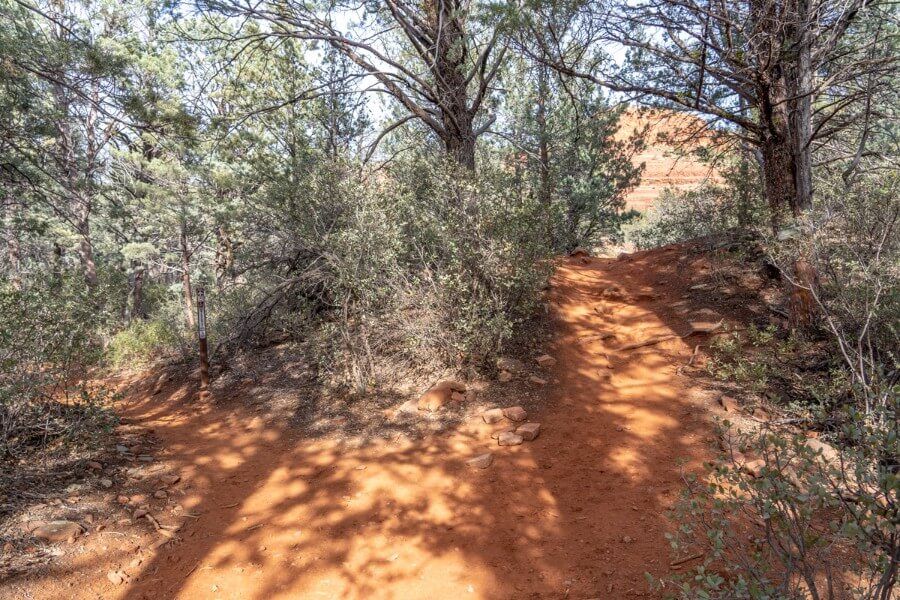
439 394
160 494
729 404
145 458
94 465
545 361
579 252
138 513
471 395
121 449
509 438
626 540
409 407
493 415
482 461
58 531
504 363
537 380
504 377
515 413
755 467
8 548
529 431
116 577
135 563
170 479
458 397
496 434
829 454
106 483
122 499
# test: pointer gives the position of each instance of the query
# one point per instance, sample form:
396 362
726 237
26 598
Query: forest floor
264 509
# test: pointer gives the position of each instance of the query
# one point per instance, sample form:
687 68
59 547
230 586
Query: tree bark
186 279
137 297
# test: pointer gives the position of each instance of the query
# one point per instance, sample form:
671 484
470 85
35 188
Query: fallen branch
681 561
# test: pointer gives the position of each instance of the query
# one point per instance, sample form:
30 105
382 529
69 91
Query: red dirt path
577 513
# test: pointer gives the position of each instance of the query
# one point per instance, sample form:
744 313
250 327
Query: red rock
482 461
545 361
170 479
493 415
94 465
439 394
458 397
160 494
761 414
504 377
512 365
116 577
579 252
537 380
509 438
515 413
58 531
496 434
754 467
529 431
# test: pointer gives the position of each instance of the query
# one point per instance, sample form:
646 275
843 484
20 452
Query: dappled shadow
270 511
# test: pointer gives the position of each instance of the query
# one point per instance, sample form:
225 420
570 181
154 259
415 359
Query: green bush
144 341
48 338
712 208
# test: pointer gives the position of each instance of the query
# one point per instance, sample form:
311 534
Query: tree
437 59
773 74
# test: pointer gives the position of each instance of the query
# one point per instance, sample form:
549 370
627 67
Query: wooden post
201 334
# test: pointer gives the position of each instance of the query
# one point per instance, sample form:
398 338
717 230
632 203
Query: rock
493 415
509 438
754 467
529 431
828 452
121 449
58 531
471 395
106 483
458 397
170 479
94 465
496 434
122 499
729 404
537 380
504 363
160 494
439 394
762 415
116 577
160 383
515 413
135 563
138 513
504 377
145 458
627 540
545 361
409 407
8 548
482 461
579 252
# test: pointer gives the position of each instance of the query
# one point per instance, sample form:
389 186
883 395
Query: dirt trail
577 513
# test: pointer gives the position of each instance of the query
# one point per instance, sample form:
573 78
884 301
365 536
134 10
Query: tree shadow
272 511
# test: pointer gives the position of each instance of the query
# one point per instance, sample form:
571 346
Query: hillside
665 165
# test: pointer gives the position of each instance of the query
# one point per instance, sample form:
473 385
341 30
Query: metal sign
201 313
201 333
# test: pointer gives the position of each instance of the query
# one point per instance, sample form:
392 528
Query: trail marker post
201 334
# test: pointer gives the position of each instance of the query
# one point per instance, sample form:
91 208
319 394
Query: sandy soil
265 512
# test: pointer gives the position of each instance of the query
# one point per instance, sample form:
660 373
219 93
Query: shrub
144 341
711 208
47 340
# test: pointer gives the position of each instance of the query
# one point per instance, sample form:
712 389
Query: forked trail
577 513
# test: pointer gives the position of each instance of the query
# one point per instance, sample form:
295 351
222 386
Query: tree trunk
137 297
778 178
186 279
545 191
85 247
